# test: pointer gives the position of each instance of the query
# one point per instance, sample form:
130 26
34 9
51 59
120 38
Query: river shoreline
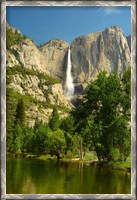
114 166
100 164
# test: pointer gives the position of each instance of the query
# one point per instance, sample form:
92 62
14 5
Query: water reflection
26 176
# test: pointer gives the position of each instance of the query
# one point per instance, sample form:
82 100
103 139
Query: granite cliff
55 54
107 50
40 72
30 77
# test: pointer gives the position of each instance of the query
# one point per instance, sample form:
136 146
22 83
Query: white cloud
110 10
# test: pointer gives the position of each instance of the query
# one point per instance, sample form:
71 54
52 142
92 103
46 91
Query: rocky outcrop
92 53
57 96
129 41
28 55
38 89
55 53
30 74
36 112
50 58
44 96
14 30
43 114
108 50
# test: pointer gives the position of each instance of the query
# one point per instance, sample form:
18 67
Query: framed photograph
68 100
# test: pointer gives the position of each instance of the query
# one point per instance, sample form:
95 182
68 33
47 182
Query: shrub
13 38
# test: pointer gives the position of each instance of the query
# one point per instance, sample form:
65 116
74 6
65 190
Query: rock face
28 55
44 96
50 58
30 73
108 50
55 53
129 41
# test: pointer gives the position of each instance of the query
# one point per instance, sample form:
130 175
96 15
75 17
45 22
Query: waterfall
69 86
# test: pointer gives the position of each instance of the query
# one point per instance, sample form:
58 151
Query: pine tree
54 121
20 112
17 139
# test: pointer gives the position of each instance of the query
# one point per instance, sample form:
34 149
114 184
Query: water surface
26 176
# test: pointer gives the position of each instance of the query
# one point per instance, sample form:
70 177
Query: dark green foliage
101 123
22 139
11 102
15 113
42 140
28 134
126 95
18 126
39 137
106 115
17 139
67 125
46 141
56 143
12 98
54 121
20 112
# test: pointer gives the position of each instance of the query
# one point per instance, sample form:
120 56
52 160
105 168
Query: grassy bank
123 165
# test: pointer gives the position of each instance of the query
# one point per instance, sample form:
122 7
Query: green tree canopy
39 137
56 143
105 113
17 139
54 121
20 112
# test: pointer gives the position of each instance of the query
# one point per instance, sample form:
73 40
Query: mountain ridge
105 50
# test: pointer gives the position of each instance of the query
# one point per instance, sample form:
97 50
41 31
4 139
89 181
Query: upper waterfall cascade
69 86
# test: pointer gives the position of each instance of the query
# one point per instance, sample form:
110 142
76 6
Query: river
32 176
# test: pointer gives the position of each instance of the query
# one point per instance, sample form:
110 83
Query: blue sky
45 23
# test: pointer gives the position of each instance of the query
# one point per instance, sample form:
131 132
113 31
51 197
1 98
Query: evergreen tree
54 121
28 133
10 117
20 112
39 137
67 126
17 139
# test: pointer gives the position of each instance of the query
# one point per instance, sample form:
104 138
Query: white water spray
69 86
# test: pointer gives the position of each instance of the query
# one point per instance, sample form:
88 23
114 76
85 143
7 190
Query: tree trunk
84 151
80 150
58 155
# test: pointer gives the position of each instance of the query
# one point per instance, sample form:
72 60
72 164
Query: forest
101 123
